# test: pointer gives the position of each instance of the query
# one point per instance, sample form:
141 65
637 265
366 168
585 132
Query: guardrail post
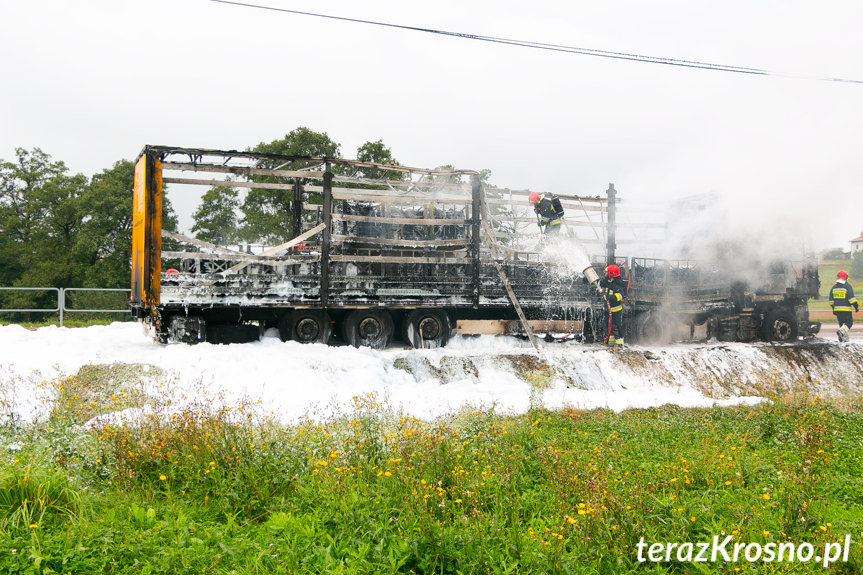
60 309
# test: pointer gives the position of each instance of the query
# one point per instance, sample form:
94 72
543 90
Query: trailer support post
297 208
325 236
612 224
475 235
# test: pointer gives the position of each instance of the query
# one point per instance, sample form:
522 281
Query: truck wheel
426 328
306 326
653 328
369 327
779 325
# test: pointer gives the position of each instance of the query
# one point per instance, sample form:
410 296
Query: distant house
856 244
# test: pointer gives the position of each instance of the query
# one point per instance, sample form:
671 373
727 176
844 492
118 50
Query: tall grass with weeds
207 487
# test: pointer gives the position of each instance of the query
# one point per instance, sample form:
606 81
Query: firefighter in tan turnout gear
841 300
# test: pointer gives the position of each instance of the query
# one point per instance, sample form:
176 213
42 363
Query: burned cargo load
417 257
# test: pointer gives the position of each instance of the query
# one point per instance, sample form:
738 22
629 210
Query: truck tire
426 328
306 326
654 328
779 325
368 327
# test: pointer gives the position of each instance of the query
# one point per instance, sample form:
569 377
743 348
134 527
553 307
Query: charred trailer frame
411 253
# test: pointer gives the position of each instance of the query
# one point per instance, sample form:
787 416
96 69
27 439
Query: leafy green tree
22 209
857 266
63 217
266 212
40 216
216 217
378 153
105 243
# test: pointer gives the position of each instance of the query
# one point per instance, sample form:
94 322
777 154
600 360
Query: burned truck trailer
367 253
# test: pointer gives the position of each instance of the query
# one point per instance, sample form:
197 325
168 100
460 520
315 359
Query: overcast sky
91 82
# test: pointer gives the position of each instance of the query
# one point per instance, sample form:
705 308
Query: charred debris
425 254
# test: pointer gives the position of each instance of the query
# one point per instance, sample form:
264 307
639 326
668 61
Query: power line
556 47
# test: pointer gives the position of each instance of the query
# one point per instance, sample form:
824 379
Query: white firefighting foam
294 381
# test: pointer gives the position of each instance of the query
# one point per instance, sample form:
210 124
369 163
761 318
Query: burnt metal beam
476 235
612 225
327 215
297 209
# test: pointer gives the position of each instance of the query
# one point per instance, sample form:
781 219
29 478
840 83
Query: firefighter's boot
842 332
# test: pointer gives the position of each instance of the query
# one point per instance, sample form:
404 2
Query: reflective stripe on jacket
615 289
842 297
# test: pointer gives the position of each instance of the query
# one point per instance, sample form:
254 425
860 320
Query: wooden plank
403 243
416 221
518 194
481 326
242 170
284 246
398 260
251 258
228 184
525 204
503 326
377 196
199 243
412 197
413 187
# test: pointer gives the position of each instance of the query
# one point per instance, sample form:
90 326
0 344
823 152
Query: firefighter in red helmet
548 210
614 290
841 300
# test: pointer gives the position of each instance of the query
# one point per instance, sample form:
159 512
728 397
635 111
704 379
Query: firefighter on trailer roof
548 210
614 290
841 300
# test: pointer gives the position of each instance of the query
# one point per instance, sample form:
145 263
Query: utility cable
557 47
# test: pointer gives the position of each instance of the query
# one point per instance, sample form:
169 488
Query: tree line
66 230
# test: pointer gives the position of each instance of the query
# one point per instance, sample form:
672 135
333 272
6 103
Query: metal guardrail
61 307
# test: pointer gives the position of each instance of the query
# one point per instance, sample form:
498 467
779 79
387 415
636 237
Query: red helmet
842 275
533 197
612 271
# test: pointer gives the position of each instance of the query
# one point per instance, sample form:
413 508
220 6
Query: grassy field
222 490
827 275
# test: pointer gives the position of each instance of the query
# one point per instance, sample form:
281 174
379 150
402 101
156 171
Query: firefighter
614 291
547 216
841 300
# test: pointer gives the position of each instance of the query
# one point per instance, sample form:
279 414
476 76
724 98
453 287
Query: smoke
734 239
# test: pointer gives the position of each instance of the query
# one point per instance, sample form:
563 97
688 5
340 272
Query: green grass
216 489
827 275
